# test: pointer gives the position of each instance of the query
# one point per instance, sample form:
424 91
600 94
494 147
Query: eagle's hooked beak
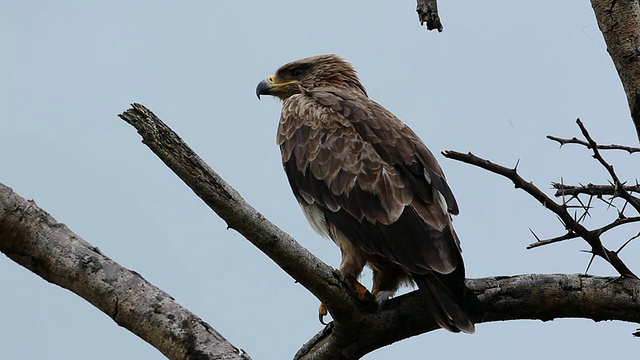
264 87
270 86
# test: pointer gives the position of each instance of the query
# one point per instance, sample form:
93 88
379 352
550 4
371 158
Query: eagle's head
310 73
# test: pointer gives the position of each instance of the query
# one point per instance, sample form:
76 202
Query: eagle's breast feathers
344 152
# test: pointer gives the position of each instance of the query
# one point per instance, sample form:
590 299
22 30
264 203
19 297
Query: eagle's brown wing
371 177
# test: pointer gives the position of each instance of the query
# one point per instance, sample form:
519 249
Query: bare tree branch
590 189
428 14
618 185
619 22
571 235
535 297
33 239
574 140
592 237
616 189
320 279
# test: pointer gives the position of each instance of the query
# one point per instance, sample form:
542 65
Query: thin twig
568 236
574 140
571 235
586 271
627 242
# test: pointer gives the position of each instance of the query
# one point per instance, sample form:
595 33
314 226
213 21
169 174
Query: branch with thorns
591 189
572 223
618 185
574 140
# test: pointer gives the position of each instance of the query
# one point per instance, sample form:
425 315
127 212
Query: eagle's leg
387 278
351 265
383 287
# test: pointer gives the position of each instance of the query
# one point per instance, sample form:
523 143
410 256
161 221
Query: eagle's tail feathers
454 313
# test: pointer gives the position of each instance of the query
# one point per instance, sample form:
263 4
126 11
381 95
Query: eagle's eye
296 72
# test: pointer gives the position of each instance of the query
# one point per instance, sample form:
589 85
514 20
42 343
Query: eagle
365 180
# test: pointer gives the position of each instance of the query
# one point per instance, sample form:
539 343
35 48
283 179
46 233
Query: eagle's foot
361 290
361 293
382 296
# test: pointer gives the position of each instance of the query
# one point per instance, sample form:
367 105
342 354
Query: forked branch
618 185
570 223
574 140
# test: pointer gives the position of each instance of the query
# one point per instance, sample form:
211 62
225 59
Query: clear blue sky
500 77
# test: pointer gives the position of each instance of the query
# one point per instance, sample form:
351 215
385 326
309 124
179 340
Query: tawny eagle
366 180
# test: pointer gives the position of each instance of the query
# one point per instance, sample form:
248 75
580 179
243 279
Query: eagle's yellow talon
322 312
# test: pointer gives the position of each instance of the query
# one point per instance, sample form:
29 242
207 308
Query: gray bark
32 238
533 297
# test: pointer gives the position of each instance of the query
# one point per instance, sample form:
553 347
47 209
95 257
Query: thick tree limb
33 239
619 21
428 14
535 297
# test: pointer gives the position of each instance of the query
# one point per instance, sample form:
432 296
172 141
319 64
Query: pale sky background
500 77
